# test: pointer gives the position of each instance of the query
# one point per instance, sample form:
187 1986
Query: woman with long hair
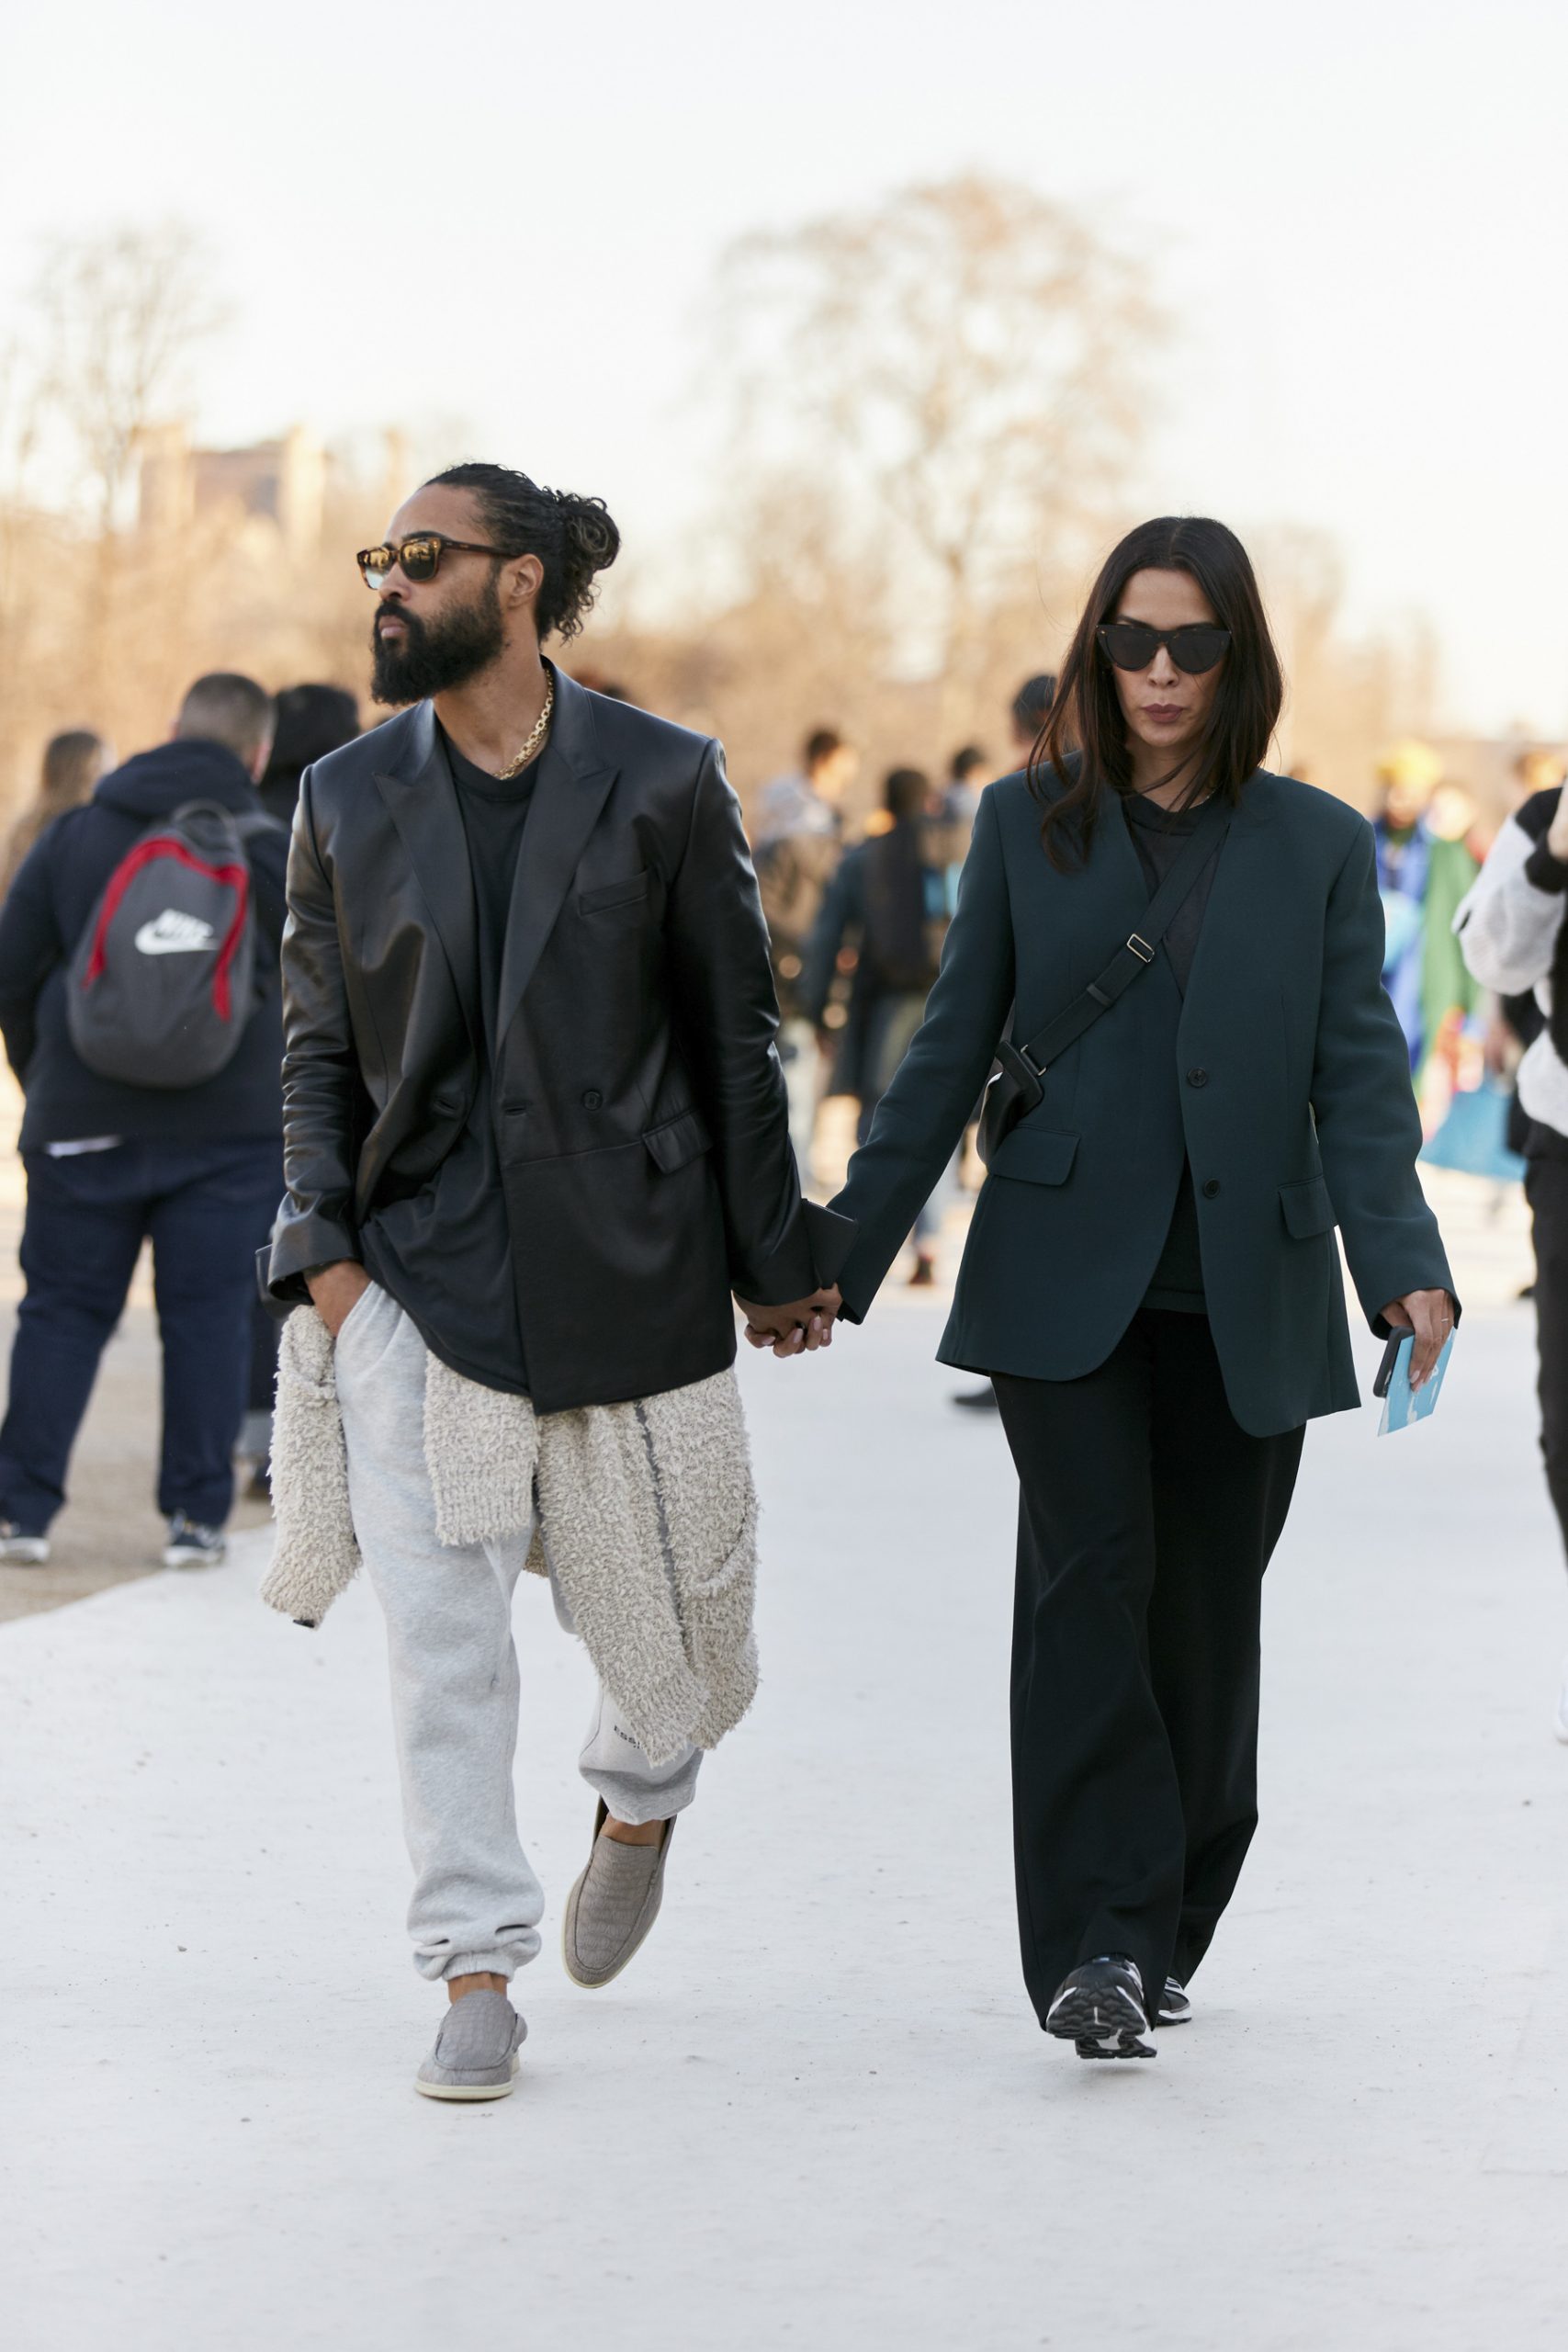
72 763
1202 1079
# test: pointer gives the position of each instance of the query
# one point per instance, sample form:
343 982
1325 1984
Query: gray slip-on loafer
615 1902
476 2050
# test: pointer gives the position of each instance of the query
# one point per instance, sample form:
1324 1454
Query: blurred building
282 482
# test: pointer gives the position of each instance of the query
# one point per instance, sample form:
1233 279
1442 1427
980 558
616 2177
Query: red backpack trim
232 877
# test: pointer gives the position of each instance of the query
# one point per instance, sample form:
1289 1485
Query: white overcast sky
505 214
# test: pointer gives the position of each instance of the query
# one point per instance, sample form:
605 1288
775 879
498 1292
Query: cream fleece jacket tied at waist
647 1512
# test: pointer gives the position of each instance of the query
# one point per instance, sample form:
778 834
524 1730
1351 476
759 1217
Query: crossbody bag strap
1137 952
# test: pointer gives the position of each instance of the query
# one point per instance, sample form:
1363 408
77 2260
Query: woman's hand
1430 1315
802 1327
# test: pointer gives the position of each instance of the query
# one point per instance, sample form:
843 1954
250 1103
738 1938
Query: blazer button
1211 1188
1197 1077
593 1099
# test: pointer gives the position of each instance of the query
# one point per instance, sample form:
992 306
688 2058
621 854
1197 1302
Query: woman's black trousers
1146 1518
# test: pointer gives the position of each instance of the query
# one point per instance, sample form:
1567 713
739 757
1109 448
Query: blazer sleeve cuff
300 1244
831 1237
807 1259
1426 1280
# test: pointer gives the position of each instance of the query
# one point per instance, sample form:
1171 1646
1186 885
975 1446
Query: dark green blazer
1283 1077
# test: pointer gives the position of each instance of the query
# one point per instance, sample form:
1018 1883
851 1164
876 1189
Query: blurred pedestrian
1151 1275
196 1168
798 843
72 763
1512 932
1027 715
966 779
312 721
1030 710
888 898
1425 867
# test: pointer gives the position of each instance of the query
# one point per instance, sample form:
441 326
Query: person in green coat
1151 1277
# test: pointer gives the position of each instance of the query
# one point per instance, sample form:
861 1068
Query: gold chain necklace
537 735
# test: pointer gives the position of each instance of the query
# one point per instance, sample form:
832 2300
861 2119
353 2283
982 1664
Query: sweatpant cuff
503 1960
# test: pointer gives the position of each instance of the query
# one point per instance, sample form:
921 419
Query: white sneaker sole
176 1556
20 1553
470 2090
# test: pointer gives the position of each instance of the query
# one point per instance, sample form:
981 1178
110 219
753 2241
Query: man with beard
535 1133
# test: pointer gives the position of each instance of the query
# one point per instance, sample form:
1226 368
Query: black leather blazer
638 1098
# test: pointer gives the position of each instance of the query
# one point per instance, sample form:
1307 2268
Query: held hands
335 1289
1430 1315
799 1328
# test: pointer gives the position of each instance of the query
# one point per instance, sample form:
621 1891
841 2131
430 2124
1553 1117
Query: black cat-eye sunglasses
1132 645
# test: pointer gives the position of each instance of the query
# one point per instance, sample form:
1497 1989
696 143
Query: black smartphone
1389 1358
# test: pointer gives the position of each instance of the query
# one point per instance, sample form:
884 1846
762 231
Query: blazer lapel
573 783
421 802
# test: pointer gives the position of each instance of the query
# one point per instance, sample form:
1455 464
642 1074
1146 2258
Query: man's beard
437 655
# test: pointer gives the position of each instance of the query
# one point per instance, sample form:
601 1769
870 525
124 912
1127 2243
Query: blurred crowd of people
856 912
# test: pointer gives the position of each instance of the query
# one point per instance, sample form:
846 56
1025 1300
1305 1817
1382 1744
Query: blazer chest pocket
1035 1156
629 893
1307 1209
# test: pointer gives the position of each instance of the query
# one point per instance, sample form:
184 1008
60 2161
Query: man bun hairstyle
573 537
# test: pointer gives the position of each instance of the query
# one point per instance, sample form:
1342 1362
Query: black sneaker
1099 2009
1173 2007
191 1545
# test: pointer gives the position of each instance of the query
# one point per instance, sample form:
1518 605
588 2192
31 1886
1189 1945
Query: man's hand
1430 1315
799 1328
335 1290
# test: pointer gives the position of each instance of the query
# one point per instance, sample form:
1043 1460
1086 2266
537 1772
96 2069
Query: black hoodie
45 916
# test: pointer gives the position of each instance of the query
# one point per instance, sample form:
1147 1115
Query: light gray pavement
818 2112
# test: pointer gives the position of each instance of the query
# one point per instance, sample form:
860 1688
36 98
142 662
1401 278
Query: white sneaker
18 1551
1560 1719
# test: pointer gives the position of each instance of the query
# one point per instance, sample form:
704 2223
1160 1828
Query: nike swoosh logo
175 935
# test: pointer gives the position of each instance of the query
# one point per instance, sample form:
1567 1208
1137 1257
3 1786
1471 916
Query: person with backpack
891 898
139 1007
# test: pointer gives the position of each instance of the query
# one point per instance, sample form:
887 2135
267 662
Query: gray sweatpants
476 1904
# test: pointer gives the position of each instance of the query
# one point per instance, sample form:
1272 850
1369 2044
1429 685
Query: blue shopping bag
1474 1137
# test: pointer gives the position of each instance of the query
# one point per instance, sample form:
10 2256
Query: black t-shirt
1158 836
447 1253
494 812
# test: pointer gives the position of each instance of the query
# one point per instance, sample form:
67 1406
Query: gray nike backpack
162 980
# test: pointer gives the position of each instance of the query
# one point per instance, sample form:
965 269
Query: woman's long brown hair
1081 757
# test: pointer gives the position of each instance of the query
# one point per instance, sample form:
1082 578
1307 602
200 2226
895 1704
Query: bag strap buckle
1141 949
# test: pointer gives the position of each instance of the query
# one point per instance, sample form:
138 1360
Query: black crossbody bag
1015 1087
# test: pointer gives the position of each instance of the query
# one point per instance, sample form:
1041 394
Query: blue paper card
1401 1408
